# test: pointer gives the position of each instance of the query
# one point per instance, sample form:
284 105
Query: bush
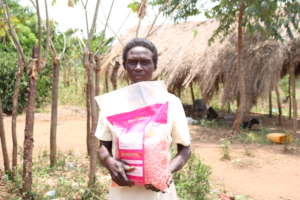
192 181
8 67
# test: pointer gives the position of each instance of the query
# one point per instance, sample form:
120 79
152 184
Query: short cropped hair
140 42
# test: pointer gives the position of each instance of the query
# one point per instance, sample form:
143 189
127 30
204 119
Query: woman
140 61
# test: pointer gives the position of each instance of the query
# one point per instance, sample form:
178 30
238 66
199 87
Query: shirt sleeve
180 129
103 131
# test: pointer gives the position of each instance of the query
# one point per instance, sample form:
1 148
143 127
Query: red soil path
267 174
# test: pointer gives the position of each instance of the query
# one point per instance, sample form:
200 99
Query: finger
128 168
151 187
123 180
170 181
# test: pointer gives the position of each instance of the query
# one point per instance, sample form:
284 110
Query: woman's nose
138 67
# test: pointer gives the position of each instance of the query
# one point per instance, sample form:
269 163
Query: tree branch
39 31
86 17
48 30
92 30
12 31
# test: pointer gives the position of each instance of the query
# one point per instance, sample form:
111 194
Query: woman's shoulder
174 99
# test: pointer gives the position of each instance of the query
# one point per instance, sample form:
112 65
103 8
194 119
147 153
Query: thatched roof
186 57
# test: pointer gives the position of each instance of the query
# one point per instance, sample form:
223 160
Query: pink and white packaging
138 118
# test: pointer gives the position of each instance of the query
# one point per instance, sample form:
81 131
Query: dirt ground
263 172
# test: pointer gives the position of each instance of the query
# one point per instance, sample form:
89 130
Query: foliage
134 6
177 9
284 85
66 180
253 137
24 22
7 76
8 67
192 181
224 144
267 17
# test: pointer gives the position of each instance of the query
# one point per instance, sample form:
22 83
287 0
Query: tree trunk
106 81
114 75
270 104
293 97
228 108
192 93
53 128
290 98
279 106
179 92
3 141
29 124
19 73
93 112
91 92
88 119
15 100
242 87
97 74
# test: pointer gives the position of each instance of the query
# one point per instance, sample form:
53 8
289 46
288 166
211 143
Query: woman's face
139 64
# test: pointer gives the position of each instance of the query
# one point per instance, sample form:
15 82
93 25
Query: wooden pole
270 104
192 93
3 142
279 106
294 101
53 126
290 99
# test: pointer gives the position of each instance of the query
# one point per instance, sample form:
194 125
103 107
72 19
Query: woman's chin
140 79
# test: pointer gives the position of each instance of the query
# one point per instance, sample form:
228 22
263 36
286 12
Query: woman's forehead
139 50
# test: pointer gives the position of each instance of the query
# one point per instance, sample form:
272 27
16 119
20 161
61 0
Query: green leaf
195 33
134 6
53 2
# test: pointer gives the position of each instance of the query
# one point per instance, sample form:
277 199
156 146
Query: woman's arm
182 156
116 168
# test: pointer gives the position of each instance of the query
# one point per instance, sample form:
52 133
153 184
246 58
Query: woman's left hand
151 187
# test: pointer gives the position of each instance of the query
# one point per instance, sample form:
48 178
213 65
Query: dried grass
186 57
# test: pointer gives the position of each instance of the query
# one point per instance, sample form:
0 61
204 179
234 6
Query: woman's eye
132 63
145 62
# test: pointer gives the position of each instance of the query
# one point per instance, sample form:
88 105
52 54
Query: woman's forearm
104 152
182 156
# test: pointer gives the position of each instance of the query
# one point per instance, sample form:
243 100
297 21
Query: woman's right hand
117 171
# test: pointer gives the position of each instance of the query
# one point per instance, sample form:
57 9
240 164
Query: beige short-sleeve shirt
177 133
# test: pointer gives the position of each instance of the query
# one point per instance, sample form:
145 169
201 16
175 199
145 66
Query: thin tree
54 105
293 94
241 70
91 92
279 106
114 74
19 74
29 124
3 141
270 104
55 83
36 65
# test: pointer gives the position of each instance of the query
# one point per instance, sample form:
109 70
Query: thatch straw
186 57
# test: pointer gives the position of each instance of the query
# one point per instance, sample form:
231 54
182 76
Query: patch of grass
67 180
213 123
224 144
253 137
72 95
192 181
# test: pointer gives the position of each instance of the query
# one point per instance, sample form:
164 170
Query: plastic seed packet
138 122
